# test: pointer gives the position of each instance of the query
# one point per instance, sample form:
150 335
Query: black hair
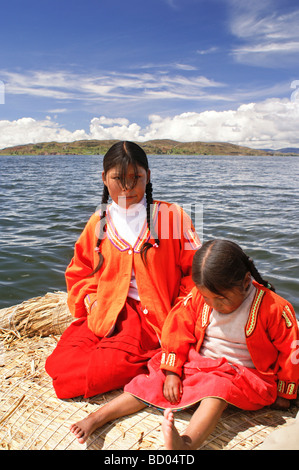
121 155
220 265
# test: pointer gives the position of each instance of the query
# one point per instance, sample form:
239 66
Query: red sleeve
78 280
285 337
190 243
178 334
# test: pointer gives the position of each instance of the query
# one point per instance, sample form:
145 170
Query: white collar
133 210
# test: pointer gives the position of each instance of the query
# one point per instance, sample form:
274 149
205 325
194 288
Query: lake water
45 202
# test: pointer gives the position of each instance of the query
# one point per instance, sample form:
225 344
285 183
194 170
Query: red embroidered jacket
271 333
161 283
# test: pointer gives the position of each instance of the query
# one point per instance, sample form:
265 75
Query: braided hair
149 205
220 265
122 154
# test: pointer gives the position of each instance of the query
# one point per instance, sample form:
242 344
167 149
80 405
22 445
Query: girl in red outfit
230 341
131 265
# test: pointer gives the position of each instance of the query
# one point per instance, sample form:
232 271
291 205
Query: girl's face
130 194
229 300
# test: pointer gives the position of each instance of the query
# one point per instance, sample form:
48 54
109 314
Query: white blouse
225 334
129 223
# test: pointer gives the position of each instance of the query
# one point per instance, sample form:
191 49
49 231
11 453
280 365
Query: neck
132 209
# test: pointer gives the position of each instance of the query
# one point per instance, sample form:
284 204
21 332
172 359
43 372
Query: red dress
85 364
204 377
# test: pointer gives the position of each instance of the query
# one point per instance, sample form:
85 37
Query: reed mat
32 417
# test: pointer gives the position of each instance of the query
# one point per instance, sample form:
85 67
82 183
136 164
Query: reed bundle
42 316
32 417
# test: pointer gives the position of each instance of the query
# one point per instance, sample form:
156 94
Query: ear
148 176
104 178
247 280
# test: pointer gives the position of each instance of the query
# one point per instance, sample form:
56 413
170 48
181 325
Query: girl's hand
172 388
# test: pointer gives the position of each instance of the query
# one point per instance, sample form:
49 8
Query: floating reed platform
32 417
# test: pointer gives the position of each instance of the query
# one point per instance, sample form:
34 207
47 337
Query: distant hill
160 147
285 151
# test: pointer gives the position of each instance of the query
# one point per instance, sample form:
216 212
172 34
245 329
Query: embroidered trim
168 360
288 321
144 235
251 323
291 389
113 236
286 389
287 308
205 315
280 386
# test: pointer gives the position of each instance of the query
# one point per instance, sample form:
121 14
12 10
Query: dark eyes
133 177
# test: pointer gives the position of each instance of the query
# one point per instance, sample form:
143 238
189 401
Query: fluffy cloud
103 128
272 123
27 130
269 124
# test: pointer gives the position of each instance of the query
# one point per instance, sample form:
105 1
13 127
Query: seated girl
232 340
131 265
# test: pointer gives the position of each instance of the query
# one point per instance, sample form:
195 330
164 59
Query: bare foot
84 428
172 439
123 405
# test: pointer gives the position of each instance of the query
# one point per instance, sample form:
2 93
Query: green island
154 147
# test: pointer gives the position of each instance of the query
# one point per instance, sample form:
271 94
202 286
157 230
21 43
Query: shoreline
153 147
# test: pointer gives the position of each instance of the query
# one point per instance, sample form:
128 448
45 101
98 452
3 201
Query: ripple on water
45 205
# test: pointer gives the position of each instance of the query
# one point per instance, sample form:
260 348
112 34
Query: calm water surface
45 202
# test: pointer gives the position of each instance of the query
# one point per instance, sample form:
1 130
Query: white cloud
108 86
57 110
119 129
270 37
269 124
210 50
272 123
27 130
185 67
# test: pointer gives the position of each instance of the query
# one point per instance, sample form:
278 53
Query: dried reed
43 316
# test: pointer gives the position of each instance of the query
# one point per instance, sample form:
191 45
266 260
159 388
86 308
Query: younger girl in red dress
232 340
131 265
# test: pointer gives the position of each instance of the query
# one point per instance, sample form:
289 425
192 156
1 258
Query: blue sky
210 70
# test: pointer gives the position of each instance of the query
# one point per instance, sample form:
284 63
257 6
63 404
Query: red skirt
83 364
203 377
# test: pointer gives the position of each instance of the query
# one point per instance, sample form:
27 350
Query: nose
128 185
125 188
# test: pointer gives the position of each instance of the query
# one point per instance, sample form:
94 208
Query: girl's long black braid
105 198
149 218
254 272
